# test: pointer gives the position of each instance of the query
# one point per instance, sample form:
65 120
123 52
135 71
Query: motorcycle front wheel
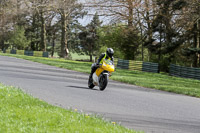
103 81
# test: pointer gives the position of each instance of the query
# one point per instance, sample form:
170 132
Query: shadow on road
79 87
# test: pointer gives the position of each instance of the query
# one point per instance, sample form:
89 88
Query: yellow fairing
99 71
105 66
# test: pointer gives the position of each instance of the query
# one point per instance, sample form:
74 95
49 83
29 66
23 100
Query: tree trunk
198 42
37 36
195 57
2 44
141 36
64 50
149 29
130 16
90 57
33 27
18 12
142 51
159 51
53 43
43 32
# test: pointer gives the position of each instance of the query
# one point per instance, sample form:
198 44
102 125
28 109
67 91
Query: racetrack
135 107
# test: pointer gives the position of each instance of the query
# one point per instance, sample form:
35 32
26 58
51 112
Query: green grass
25 114
76 56
163 82
62 63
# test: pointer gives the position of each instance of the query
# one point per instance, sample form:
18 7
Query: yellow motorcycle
101 75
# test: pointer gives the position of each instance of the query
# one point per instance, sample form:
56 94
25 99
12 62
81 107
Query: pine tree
193 50
165 32
89 37
18 39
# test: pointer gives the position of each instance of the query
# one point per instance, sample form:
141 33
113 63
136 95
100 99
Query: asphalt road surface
139 108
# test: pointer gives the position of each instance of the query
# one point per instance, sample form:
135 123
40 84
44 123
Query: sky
87 18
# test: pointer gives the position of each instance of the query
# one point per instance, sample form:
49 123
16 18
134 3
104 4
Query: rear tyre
90 84
103 81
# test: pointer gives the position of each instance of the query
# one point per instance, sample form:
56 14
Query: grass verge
25 114
163 82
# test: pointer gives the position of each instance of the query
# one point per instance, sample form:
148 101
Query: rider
108 55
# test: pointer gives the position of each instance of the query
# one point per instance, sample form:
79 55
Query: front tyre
90 83
103 81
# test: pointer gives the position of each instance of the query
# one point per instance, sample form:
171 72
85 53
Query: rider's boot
90 75
92 71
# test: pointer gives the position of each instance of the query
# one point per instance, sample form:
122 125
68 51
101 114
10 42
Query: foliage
18 39
69 11
165 31
89 37
33 32
192 50
123 40
167 37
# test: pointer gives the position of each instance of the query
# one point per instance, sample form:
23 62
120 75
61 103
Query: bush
18 39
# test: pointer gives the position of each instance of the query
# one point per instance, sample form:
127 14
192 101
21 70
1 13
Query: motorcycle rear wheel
103 81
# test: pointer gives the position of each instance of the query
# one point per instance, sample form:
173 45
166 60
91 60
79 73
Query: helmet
110 52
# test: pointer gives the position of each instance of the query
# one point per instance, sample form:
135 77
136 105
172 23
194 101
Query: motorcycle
101 75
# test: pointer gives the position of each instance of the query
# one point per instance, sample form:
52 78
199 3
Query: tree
18 39
137 14
40 10
52 27
117 10
146 13
123 40
89 37
33 31
67 9
166 31
192 48
6 23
